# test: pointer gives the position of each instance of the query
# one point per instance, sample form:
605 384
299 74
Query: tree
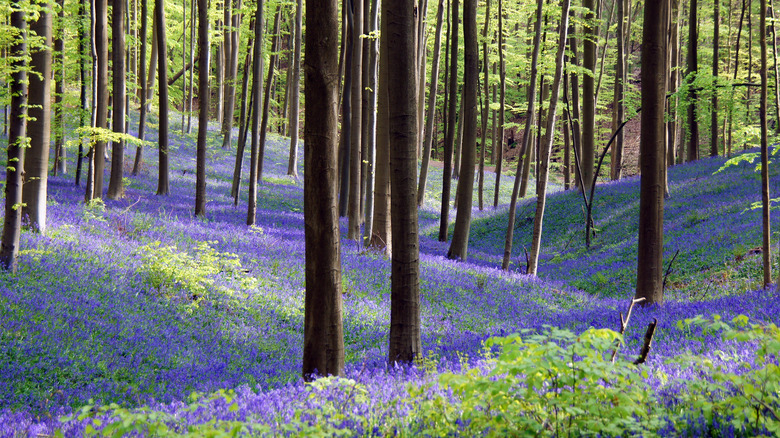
292 165
546 148
369 133
203 110
499 129
143 89
60 154
355 159
36 162
616 170
449 141
590 32
715 59
267 97
485 105
257 90
17 139
405 338
323 339
693 68
649 277
97 155
765 214
162 68
381 236
115 187
231 72
460 237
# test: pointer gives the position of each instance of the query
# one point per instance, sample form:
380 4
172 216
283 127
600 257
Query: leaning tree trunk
17 137
546 148
430 118
460 237
405 338
649 279
529 122
292 164
115 185
203 110
323 336
449 141
36 163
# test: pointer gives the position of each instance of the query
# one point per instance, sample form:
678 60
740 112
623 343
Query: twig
527 259
766 406
669 270
624 323
648 341
131 206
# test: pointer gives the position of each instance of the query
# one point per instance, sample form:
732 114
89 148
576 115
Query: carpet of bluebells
136 311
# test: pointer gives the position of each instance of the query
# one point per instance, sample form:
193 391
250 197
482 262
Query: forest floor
133 316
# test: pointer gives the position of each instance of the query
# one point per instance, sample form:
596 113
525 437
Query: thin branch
648 342
624 323
669 270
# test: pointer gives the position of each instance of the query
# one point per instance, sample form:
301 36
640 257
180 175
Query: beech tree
115 185
162 68
292 165
323 338
100 92
449 141
765 201
257 90
203 110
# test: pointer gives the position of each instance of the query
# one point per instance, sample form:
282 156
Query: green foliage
94 135
553 383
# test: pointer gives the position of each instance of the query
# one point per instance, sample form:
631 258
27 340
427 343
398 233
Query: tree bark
620 78
60 154
257 90
115 184
355 160
693 68
370 131
382 234
323 339
247 97
649 280
405 339
231 73
765 211
449 141
162 68
485 107
203 107
460 237
590 32
292 164
83 103
267 96
144 92
715 60
101 103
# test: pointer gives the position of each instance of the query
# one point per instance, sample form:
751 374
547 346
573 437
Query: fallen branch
624 323
648 341
668 270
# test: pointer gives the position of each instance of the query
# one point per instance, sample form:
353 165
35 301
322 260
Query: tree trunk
775 68
546 148
257 90
499 133
382 233
370 131
449 141
618 107
765 213
191 89
144 92
83 103
575 101
405 339
714 113
429 127
355 160
529 122
231 73
203 107
673 82
36 162
115 185
162 68
101 103
60 154
292 164
460 237
267 96
693 68
17 137
649 280
590 32
247 98
346 119
323 338
485 106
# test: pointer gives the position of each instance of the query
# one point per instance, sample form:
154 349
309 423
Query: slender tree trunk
144 91
162 68
449 141
775 68
355 160
191 89
292 164
765 213
346 119
101 104
370 131
575 101
247 98
36 162
674 82
693 68
60 154
499 133
323 338
203 107
257 87
84 105
267 96
620 78
430 118
529 122
589 93
649 280
715 60
115 185
382 234
460 237
546 148
405 338
485 107
17 124
231 73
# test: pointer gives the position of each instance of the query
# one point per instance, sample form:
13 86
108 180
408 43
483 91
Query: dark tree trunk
323 338
449 141
346 116
12 224
95 190
203 107
36 162
355 159
649 280
115 186
382 233
246 99
60 154
267 98
620 77
257 90
162 68
715 60
485 106
84 105
405 338
144 91
693 68
292 164
460 237
231 73
588 95
765 211
499 133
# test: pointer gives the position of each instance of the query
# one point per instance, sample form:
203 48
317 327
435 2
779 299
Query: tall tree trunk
83 103
693 68
546 148
115 186
292 164
36 162
430 118
574 81
765 213
162 68
323 337
405 339
529 122
346 118
673 82
775 68
60 154
370 131
588 93
715 60
203 107
247 97
144 91
620 78
382 234
485 106
257 90
649 279
17 138
101 103
355 160
231 73
460 237
499 129
191 89
267 96
449 141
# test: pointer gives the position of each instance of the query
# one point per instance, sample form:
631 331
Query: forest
389 218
